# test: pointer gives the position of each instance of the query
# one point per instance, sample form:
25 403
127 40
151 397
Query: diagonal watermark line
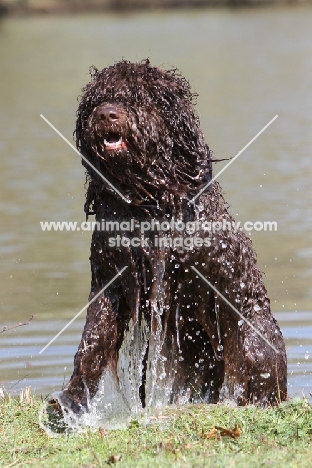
85 159
84 308
232 160
235 310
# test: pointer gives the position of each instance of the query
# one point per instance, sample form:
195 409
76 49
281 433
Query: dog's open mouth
114 141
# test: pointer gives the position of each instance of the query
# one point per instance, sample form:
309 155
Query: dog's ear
191 152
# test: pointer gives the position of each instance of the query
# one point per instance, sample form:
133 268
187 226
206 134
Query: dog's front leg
96 352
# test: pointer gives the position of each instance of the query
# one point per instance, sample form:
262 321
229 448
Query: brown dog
160 333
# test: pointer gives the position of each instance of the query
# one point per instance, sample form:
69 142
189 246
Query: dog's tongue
113 141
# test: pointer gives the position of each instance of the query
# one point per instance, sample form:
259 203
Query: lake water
247 65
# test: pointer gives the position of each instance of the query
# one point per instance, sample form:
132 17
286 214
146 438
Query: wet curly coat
137 126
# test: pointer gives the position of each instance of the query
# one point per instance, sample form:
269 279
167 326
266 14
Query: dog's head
137 125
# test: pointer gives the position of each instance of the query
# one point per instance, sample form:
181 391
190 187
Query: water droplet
181 358
257 307
265 375
306 356
220 347
177 265
240 323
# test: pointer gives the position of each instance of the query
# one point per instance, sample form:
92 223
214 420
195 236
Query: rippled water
46 373
247 66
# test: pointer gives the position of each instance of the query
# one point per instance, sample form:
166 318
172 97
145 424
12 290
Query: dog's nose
109 113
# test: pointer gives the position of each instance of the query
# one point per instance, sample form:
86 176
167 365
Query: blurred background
246 64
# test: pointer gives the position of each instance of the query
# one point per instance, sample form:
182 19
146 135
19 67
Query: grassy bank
191 436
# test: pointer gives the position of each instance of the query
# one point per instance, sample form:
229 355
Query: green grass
273 437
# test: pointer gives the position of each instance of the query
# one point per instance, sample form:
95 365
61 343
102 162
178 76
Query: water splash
130 363
118 398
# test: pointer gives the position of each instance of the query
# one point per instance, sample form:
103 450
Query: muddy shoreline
52 7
